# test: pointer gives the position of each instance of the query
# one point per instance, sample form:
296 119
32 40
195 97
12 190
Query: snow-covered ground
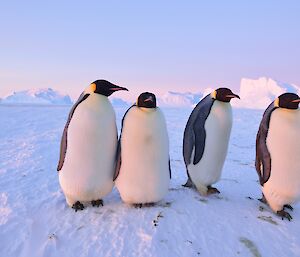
35 220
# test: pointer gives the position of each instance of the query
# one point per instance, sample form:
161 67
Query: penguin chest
144 172
217 127
283 143
91 147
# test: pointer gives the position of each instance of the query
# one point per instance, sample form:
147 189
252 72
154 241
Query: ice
259 93
254 93
177 99
35 220
42 96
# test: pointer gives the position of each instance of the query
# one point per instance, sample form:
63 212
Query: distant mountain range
43 96
254 93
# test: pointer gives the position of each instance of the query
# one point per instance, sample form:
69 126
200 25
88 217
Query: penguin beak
150 98
296 101
233 96
117 88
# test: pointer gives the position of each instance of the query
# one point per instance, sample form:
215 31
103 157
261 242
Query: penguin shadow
266 213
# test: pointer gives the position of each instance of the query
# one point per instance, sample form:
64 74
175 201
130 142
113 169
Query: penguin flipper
200 136
170 168
263 157
118 154
194 133
118 160
63 143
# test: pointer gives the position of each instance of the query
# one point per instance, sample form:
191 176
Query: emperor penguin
205 140
88 147
143 166
277 154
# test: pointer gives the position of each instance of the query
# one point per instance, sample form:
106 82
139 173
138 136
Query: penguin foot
288 207
77 206
138 205
263 199
149 204
97 203
283 214
212 190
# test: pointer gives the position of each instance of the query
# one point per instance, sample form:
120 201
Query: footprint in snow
268 219
251 246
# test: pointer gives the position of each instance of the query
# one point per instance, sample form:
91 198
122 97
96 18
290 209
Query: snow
254 93
259 93
177 99
35 220
118 102
42 96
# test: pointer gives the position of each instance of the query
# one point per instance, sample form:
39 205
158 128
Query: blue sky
154 45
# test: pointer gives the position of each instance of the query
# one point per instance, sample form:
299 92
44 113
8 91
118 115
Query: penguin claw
97 203
283 214
138 205
77 206
262 200
212 190
288 207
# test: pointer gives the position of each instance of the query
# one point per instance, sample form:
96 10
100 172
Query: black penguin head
146 100
223 94
288 101
104 87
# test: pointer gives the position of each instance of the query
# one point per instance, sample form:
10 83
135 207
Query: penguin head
146 100
223 94
103 87
288 101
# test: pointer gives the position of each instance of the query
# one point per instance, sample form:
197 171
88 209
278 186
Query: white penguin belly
283 142
144 174
87 173
218 127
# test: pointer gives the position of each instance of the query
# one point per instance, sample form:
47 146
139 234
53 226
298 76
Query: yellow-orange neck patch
213 94
90 89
